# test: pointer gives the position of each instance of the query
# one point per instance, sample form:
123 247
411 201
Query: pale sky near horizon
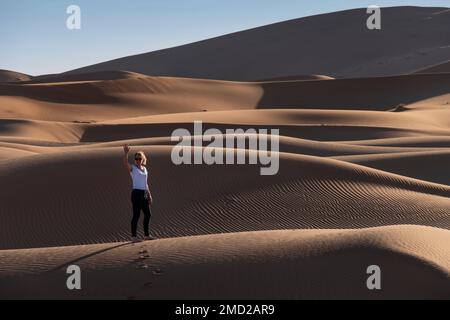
34 38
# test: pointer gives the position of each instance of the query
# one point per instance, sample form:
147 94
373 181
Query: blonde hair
144 158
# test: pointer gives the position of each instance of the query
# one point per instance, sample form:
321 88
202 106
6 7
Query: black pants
139 201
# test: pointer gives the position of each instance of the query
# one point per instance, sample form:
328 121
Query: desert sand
439 68
364 171
12 76
336 44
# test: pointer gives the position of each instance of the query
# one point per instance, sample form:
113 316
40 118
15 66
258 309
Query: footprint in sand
158 271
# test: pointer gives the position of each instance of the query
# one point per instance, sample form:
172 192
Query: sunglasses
138 159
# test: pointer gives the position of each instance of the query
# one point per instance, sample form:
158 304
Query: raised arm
126 150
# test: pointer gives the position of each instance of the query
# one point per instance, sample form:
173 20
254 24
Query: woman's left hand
149 196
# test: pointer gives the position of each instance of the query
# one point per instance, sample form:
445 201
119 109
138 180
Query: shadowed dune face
298 78
326 180
409 164
312 192
12 76
99 100
363 175
439 68
291 264
411 38
356 167
91 76
361 94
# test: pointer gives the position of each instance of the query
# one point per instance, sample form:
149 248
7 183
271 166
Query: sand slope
313 192
82 99
439 68
363 174
291 264
12 76
68 152
411 38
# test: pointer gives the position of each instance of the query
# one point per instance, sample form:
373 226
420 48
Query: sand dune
298 262
98 100
90 76
431 142
16 148
363 176
49 131
298 77
439 68
411 38
12 76
137 96
313 192
316 125
425 165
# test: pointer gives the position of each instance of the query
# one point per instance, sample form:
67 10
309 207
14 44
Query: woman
141 197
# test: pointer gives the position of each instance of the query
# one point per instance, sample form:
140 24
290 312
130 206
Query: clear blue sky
34 38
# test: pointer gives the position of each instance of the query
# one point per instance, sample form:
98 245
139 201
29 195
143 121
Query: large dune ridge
363 168
439 68
13 76
394 177
83 99
336 44
325 264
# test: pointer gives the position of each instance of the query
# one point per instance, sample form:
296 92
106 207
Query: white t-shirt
139 177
